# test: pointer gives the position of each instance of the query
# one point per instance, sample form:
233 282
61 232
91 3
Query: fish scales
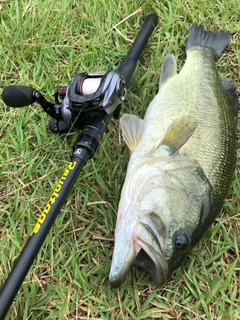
197 91
181 163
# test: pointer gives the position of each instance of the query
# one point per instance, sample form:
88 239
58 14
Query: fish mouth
155 270
144 250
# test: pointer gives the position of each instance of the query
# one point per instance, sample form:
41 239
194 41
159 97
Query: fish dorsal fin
178 133
169 69
230 89
132 130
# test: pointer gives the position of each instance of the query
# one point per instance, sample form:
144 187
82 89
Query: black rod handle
128 64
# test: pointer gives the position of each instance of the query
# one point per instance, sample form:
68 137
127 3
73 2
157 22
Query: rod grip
128 64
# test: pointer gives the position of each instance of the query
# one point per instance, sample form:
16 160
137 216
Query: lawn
43 44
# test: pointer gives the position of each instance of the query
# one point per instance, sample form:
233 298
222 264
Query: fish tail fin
200 38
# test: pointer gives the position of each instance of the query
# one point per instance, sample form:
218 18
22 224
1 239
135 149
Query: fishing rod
87 103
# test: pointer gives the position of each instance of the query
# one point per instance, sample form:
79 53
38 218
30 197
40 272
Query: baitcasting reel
86 96
90 93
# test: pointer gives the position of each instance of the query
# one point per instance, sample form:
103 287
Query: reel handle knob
18 96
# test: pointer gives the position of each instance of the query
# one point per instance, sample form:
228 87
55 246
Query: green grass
43 45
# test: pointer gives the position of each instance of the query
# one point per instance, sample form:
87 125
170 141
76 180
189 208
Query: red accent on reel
62 92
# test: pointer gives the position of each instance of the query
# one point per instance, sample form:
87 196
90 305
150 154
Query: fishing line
68 133
52 161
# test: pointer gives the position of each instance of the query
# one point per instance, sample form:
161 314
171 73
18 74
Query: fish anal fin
132 130
169 69
178 133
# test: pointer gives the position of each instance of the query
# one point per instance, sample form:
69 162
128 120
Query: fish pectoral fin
132 130
230 89
169 69
178 133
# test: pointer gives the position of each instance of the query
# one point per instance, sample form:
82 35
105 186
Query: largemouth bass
181 163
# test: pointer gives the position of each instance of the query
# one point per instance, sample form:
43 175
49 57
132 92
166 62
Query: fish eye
180 241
